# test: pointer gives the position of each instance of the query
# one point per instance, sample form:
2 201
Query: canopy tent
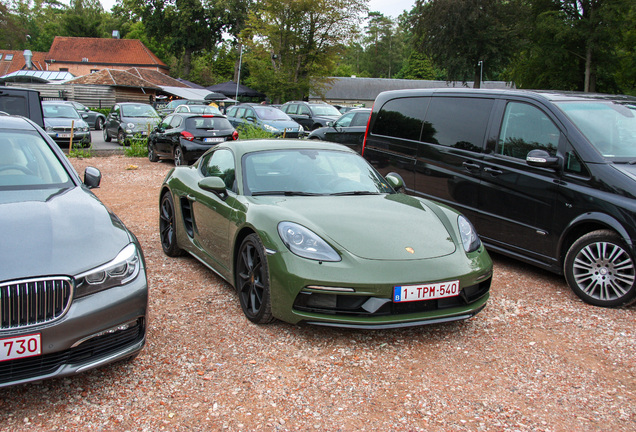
185 92
229 89
214 96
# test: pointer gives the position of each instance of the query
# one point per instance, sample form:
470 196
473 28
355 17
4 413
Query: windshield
28 162
60 111
310 172
609 126
138 111
325 110
269 113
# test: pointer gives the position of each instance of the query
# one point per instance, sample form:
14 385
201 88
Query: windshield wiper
286 193
355 193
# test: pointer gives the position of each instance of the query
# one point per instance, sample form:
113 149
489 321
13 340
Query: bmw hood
56 232
377 227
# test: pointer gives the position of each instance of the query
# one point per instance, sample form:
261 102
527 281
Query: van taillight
366 132
187 135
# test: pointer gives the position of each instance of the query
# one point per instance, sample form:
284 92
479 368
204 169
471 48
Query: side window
524 128
220 164
165 124
360 119
401 118
175 122
249 113
573 164
457 122
291 109
304 110
345 120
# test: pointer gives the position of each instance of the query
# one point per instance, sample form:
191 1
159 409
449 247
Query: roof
368 88
113 77
232 89
17 61
105 51
156 77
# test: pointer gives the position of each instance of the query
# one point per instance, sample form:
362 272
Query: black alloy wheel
107 136
252 281
600 269
121 138
167 227
179 157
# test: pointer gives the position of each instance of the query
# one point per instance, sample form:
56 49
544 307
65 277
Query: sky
392 8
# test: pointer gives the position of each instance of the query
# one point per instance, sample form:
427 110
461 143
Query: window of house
8 57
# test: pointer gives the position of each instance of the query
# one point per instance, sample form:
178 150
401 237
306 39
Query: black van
545 177
21 101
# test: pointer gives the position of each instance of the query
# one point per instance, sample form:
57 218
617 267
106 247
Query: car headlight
305 243
124 268
49 129
270 128
470 239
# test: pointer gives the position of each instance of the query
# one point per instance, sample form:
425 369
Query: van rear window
401 118
457 122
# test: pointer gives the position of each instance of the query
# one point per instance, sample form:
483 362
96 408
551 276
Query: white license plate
20 347
63 135
213 140
439 290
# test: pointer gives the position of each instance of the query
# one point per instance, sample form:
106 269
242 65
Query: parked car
264 117
93 118
129 119
198 109
260 213
73 287
311 115
546 177
184 137
62 121
349 129
24 102
173 104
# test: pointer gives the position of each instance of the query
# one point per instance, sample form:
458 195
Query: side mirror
542 159
213 184
92 177
396 181
250 119
84 116
329 123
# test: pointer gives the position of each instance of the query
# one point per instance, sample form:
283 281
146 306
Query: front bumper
64 139
97 329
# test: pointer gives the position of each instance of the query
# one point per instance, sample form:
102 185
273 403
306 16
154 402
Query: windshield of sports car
609 126
140 110
310 172
28 162
269 113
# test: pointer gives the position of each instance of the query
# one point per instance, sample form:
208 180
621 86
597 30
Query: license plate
63 135
438 290
208 140
20 347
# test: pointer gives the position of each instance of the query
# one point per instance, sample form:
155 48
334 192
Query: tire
121 138
252 281
99 123
152 154
168 227
601 270
107 136
179 157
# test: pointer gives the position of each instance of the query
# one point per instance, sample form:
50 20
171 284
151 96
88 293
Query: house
363 91
14 61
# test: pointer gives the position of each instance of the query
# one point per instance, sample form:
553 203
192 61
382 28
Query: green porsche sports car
309 232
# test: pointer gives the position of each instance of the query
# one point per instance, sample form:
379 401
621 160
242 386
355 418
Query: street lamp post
481 72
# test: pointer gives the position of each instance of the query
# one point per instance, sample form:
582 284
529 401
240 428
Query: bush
253 132
138 146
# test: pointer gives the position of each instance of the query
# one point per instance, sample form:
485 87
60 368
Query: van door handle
493 172
471 166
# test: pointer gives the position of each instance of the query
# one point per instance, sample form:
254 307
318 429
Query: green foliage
77 151
253 132
138 146
420 67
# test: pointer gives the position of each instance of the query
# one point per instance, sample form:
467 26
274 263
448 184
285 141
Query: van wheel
601 270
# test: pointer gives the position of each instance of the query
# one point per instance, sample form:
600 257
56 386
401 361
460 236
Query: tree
458 34
12 34
83 19
293 43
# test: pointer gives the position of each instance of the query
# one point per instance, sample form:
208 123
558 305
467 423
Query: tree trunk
187 62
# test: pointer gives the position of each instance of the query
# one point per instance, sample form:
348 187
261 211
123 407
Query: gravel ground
536 359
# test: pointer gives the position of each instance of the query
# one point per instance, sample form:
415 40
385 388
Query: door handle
471 166
493 172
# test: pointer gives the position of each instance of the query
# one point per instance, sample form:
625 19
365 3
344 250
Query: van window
401 118
457 122
526 128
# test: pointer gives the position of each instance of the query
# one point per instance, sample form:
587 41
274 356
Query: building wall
87 68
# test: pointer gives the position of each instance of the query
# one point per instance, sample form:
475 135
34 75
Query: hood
64 122
56 232
377 227
280 124
627 169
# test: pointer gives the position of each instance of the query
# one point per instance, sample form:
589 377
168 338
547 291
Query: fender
596 218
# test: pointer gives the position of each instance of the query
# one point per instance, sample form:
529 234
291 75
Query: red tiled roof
125 52
18 62
156 77
113 77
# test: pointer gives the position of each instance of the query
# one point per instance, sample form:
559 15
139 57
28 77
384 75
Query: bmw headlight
49 129
470 239
124 268
305 243
269 128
